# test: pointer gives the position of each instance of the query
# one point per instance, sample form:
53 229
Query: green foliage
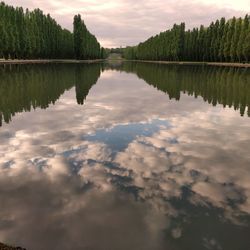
34 35
85 44
225 41
130 53
246 46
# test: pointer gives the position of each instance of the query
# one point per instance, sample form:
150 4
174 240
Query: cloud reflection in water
183 172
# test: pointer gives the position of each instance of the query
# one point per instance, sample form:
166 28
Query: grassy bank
224 64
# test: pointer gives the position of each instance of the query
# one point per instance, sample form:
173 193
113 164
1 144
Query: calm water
125 156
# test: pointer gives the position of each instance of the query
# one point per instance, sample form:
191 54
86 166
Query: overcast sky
128 22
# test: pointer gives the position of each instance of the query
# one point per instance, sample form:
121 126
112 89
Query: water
125 156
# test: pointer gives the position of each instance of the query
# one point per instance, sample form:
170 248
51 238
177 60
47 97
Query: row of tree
33 35
222 41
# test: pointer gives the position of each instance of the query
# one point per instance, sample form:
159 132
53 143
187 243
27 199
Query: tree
242 37
246 46
221 41
235 39
86 45
31 34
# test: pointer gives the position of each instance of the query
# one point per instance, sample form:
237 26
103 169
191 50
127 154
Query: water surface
125 156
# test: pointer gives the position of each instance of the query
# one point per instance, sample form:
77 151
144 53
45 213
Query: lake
125 156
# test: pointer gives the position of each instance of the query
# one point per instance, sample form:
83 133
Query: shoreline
47 61
7 247
221 64
72 61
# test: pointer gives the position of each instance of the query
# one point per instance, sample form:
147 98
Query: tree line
222 41
34 35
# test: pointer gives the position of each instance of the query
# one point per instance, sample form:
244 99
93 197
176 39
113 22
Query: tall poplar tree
34 35
221 41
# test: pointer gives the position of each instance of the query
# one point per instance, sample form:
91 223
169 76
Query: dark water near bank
125 156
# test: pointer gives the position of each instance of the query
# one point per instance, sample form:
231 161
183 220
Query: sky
118 23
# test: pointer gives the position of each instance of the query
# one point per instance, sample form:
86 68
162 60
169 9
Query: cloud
127 22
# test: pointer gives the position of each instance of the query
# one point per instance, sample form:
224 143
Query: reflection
190 181
128 170
23 87
154 194
217 85
120 136
85 77
51 208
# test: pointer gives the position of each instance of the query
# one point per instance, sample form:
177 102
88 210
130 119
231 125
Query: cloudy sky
128 22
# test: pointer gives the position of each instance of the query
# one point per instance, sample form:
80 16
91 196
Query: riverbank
42 61
223 64
47 61
6 247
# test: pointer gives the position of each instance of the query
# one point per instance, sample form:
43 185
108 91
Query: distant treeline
27 87
222 41
34 35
